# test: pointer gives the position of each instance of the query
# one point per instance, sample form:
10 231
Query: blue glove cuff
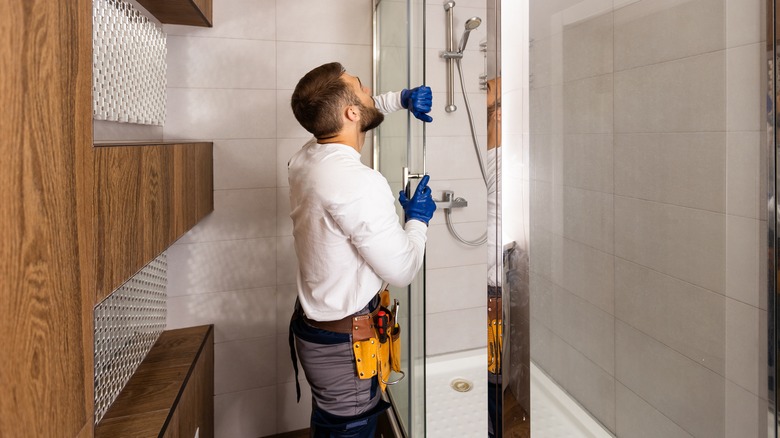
405 98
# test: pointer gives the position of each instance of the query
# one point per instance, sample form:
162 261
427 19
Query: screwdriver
395 317
382 321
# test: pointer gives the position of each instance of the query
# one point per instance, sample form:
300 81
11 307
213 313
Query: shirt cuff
416 223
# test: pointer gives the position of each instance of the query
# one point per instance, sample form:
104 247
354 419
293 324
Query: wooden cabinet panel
146 197
45 95
189 12
196 406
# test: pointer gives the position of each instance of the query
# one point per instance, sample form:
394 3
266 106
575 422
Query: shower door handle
407 176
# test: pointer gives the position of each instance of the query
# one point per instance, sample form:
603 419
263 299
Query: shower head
471 24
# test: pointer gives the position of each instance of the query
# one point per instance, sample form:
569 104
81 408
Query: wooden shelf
171 394
146 197
188 12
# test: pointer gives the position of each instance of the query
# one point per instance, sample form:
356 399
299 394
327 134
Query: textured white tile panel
127 324
128 64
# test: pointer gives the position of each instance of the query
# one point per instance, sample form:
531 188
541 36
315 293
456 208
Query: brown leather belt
359 326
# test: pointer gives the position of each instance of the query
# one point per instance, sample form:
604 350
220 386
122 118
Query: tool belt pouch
395 349
374 358
394 340
366 354
495 335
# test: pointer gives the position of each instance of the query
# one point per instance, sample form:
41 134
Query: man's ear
351 113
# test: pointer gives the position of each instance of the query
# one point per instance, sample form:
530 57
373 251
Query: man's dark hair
319 97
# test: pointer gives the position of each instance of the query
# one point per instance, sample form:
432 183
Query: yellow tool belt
375 358
495 334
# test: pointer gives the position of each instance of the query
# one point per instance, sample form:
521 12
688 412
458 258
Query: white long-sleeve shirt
348 238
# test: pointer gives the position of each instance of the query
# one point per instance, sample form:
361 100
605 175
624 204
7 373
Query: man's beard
370 118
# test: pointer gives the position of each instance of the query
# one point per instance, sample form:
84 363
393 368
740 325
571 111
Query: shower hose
447 211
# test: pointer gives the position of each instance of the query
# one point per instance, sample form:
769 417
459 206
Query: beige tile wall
648 212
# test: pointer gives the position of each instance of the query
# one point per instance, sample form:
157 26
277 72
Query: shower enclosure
634 236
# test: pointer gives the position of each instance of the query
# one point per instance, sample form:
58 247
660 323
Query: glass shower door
397 144
648 215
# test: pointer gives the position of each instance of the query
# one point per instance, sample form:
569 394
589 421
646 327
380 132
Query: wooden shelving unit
171 392
188 12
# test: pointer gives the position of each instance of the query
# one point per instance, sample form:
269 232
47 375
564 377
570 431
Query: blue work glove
418 101
421 206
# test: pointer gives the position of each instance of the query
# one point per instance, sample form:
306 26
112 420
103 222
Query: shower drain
461 385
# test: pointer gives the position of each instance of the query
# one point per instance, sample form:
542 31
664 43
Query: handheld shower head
471 24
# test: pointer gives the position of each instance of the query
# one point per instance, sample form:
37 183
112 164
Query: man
348 241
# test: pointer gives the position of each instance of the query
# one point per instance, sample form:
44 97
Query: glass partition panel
398 144
648 219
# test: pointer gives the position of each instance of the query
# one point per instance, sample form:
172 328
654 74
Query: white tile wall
231 84
244 164
655 32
